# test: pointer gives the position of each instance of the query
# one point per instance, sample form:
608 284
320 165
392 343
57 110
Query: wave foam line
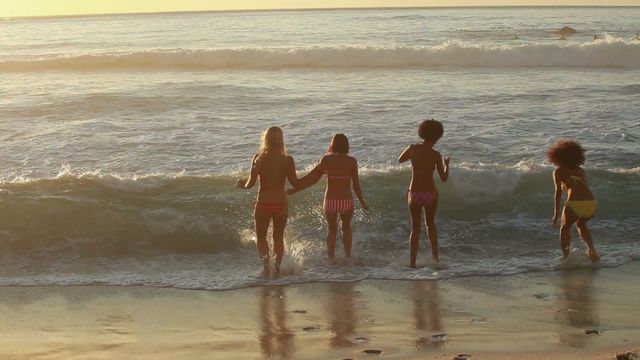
610 52
94 213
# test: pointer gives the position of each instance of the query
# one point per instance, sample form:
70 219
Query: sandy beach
531 316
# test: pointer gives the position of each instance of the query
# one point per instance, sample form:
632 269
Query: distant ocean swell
89 215
610 52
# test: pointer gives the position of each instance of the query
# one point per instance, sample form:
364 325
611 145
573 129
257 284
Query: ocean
122 137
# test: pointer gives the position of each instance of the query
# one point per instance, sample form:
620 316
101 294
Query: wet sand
531 316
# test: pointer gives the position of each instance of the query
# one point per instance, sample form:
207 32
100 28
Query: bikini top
339 177
576 179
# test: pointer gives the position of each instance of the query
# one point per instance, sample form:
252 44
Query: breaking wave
93 214
610 52
196 232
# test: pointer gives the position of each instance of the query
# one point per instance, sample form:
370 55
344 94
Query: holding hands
364 204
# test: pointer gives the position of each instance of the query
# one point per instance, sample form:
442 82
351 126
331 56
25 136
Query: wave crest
92 213
610 52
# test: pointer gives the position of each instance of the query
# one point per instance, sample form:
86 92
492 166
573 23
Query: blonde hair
273 142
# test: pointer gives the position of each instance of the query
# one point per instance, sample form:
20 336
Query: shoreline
523 316
274 282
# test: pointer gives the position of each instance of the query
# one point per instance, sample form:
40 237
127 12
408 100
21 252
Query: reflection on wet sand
342 315
276 340
576 306
426 314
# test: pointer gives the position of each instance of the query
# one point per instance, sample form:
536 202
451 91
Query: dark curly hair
431 130
566 153
339 144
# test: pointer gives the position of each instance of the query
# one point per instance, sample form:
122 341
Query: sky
16 8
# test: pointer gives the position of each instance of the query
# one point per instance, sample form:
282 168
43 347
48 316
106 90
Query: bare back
273 171
574 181
341 169
424 161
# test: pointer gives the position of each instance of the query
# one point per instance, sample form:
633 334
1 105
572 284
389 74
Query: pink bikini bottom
271 209
426 199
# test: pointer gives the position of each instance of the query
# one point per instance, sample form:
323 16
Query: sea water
122 138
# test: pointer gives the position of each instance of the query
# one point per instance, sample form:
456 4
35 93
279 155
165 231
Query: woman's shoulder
562 172
326 158
344 159
287 160
257 158
262 157
331 157
422 147
279 157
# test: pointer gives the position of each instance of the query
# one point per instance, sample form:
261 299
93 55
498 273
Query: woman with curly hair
422 193
580 206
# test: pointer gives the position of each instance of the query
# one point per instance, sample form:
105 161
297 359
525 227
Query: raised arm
251 181
406 155
310 179
291 172
442 164
356 186
557 197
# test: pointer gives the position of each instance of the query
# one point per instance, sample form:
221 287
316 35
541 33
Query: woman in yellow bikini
580 206
272 166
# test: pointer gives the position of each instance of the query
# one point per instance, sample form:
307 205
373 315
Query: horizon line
377 8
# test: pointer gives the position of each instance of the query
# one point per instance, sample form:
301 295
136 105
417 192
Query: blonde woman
272 166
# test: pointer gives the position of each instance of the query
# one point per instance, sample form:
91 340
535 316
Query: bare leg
585 235
568 219
416 214
279 224
332 224
432 230
347 236
262 226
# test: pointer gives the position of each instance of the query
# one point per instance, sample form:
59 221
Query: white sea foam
610 52
226 271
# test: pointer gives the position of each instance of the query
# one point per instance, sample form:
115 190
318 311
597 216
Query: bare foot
436 260
593 255
413 266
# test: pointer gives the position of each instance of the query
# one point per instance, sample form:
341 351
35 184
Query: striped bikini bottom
338 206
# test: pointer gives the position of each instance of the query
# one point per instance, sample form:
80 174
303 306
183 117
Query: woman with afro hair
580 206
422 192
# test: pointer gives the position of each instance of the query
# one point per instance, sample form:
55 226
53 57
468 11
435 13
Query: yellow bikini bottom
584 209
